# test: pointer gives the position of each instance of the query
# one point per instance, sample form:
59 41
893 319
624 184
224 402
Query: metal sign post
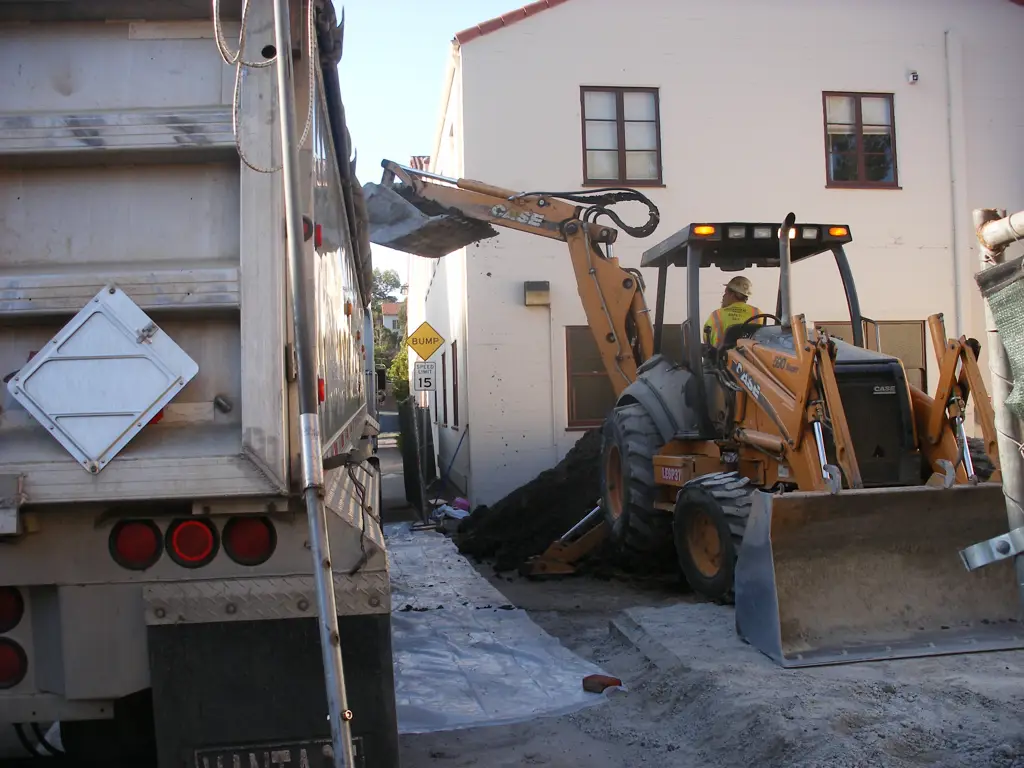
309 425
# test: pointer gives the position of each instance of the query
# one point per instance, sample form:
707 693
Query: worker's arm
612 296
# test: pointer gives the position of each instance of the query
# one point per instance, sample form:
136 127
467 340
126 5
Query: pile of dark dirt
529 518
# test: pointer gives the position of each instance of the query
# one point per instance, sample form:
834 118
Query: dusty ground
710 700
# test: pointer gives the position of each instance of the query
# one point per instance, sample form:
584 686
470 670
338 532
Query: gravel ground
698 696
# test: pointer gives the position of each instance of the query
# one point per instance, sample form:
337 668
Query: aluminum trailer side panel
118 165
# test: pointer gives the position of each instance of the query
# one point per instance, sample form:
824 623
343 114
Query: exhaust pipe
785 260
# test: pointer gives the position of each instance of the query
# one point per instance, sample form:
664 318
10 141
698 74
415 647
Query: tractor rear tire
983 466
708 524
640 535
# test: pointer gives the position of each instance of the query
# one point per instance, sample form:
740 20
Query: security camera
912 76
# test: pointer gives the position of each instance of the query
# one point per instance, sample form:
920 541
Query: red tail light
12 608
13 663
250 540
192 543
135 544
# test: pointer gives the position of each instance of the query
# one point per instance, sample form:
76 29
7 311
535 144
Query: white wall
437 288
742 138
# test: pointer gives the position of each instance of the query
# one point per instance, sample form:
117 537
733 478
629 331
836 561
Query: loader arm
794 392
457 212
959 378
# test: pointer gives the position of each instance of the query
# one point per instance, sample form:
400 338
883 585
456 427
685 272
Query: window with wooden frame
590 391
444 387
621 136
455 384
860 140
904 339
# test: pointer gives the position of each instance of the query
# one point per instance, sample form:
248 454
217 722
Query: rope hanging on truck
238 61
598 201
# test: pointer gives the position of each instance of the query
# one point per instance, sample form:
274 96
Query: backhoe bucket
874 574
404 222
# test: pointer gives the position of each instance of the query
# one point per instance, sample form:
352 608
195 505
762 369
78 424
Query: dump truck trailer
157 590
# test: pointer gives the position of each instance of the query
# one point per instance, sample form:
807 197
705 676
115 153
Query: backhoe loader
797 475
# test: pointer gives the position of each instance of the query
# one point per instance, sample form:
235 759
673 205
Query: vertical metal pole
1009 434
850 289
659 307
695 257
309 419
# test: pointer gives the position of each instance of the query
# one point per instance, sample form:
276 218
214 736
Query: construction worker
734 310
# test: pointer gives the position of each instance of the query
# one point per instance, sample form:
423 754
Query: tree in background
399 375
386 342
389 345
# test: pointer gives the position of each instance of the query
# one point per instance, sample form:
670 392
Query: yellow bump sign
424 341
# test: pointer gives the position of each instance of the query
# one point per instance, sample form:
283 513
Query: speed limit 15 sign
424 377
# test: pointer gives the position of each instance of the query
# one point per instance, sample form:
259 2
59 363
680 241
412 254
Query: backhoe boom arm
453 213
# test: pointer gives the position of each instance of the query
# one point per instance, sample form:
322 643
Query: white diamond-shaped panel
100 380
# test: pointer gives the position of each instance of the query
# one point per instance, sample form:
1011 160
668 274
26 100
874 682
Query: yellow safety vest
724 317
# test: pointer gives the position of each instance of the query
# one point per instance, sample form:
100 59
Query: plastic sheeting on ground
463 656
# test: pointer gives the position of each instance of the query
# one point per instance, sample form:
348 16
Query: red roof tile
390 308
507 19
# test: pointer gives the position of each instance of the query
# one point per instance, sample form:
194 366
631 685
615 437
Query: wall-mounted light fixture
537 293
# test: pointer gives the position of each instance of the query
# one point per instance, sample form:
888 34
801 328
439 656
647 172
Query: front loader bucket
421 227
874 574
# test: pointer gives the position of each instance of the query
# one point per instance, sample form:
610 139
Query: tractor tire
983 466
639 534
708 524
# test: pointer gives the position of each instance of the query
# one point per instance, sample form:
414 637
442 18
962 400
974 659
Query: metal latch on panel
12 496
102 378
993 550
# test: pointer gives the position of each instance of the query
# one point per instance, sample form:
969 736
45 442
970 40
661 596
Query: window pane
641 165
841 139
904 340
602 135
878 167
842 331
916 377
603 165
877 142
875 111
637 105
590 398
839 109
599 105
843 166
641 136
584 356
672 342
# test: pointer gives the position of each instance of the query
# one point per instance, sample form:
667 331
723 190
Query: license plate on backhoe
311 753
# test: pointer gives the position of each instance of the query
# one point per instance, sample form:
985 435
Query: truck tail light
192 543
12 608
135 544
249 540
13 663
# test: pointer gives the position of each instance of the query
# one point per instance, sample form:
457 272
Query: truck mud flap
404 222
873 574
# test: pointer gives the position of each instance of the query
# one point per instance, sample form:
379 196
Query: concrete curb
625 628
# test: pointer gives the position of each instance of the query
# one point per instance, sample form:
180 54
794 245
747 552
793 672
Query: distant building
895 119
389 311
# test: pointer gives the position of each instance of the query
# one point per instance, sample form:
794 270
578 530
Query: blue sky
392 71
